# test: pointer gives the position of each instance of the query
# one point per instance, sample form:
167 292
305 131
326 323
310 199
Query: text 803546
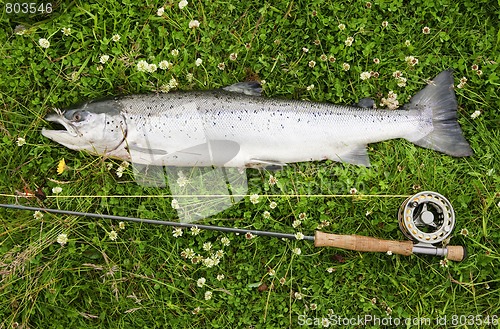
16 8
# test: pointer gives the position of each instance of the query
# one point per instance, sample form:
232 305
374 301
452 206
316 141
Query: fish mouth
62 123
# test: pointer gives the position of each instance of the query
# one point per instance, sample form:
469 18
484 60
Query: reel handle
369 244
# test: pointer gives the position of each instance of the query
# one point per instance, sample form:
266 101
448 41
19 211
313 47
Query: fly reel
426 217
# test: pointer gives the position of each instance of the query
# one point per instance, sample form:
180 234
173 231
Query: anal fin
357 156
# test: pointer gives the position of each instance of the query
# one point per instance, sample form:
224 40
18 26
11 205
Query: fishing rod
426 219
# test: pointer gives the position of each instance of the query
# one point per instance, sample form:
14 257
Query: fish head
94 127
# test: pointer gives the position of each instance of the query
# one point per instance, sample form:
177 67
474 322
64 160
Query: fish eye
77 117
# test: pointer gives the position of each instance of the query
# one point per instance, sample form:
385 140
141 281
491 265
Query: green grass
141 279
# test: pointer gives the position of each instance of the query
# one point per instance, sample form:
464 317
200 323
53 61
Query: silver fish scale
265 129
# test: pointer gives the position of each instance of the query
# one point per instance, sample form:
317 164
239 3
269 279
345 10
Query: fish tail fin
437 102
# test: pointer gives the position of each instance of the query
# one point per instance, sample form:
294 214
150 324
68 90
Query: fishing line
354 196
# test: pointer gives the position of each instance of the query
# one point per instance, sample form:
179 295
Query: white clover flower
21 141
201 282
464 232
121 225
175 204
266 214
391 101
302 216
163 65
341 27
195 230
271 272
174 52
142 66
353 191
389 253
254 198
220 277
299 236
221 66
219 254
198 62
99 67
225 241
401 82
103 59
207 246
305 50
365 75
273 205
152 68
298 295
233 56
475 114
208 295
209 262
272 180
297 251
57 190
161 11
113 235
346 66
407 43
116 37
348 42
62 239
194 24
172 83
396 74
66 31
411 61
177 232
182 4
296 223
164 88
38 215
44 43
443 262
312 64
426 30
182 180
330 270
119 171
249 236
310 87
188 253
189 77
385 23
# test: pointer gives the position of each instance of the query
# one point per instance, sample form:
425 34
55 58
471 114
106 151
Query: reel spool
426 217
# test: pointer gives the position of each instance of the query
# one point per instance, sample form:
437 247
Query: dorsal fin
252 88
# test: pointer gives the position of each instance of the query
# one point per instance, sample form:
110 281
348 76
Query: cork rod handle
362 243
405 248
